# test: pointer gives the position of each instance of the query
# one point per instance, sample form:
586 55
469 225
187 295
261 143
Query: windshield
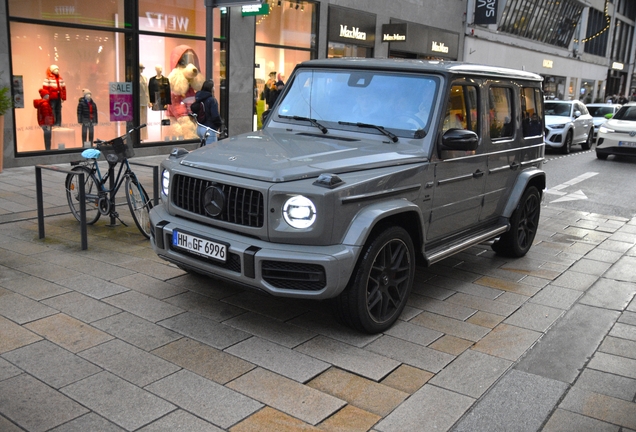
557 109
400 103
600 111
627 112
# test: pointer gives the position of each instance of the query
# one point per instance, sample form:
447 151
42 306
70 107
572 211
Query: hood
178 51
621 125
281 156
552 120
202 95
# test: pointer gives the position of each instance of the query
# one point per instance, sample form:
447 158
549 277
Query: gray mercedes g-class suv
361 165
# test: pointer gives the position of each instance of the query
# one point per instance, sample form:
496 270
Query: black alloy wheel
524 223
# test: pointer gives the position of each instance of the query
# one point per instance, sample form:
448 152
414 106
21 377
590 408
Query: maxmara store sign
350 26
416 38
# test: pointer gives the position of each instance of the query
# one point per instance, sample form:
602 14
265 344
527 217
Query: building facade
584 50
100 47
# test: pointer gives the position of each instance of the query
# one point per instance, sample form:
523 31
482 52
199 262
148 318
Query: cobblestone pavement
112 338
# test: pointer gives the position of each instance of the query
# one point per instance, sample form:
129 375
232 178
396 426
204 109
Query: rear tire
524 223
139 204
91 190
381 282
601 156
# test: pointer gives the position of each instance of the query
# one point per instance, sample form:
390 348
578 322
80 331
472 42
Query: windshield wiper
310 120
392 136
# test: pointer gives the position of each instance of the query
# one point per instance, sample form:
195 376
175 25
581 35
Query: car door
501 144
459 175
581 122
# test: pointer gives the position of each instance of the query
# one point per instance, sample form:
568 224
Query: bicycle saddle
91 153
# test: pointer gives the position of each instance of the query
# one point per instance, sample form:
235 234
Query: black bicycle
100 199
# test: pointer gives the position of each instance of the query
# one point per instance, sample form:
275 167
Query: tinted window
500 113
462 109
531 116
557 109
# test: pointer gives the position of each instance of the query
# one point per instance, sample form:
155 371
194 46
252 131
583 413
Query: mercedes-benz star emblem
632 134
213 201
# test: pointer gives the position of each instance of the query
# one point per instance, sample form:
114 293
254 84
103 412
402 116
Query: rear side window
531 115
500 103
461 112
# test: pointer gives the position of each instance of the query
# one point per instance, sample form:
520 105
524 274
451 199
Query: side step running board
445 251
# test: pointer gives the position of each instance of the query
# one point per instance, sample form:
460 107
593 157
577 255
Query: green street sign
253 10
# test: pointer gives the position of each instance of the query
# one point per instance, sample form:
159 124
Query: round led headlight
165 182
299 212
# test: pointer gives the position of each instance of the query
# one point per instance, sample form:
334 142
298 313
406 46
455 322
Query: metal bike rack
82 200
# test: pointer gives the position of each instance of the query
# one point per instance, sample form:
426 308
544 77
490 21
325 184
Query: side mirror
577 114
609 116
460 139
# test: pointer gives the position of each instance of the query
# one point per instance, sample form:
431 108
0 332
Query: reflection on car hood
283 156
552 120
621 125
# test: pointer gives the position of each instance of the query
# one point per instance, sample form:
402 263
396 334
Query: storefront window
587 90
87 61
289 23
284 38
104 13
554 87
338 50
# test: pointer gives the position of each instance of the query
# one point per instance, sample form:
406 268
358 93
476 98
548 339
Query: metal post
155 185
209 38
111 197
39 201
82 198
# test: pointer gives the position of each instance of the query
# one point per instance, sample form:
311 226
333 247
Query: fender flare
368 217
523 180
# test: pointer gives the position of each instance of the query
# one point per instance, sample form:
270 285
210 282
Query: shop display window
339 50
87 60
186 17
289 23
103 13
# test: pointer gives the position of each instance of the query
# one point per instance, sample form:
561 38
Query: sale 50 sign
121 101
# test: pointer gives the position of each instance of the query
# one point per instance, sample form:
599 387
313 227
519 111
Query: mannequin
45 116
87 115
54 84
159 89
144 100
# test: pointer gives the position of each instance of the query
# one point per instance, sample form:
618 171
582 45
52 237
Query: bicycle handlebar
99 141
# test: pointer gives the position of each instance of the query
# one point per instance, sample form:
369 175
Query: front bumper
610 146
284 270
553 139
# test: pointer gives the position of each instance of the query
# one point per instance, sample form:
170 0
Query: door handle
478 173
514 166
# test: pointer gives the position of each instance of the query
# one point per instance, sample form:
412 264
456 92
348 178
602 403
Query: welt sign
486 12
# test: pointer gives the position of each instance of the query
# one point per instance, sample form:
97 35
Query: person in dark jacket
87 116
213 118
46 119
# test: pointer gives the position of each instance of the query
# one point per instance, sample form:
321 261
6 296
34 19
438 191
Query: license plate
626 144
200 246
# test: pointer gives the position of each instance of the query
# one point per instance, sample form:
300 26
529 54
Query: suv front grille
242 206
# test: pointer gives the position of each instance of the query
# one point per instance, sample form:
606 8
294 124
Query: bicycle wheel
91 190
139 204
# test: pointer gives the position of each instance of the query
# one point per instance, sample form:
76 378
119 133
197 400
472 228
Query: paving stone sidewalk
114 339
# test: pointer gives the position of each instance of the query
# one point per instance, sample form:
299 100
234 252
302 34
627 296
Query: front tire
139 204
91 191
588 142
601 156
567 144
380 285
524 223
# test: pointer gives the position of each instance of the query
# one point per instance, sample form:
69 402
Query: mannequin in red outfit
54 84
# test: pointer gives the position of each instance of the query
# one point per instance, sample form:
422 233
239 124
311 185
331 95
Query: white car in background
617 135
600 113
567 123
